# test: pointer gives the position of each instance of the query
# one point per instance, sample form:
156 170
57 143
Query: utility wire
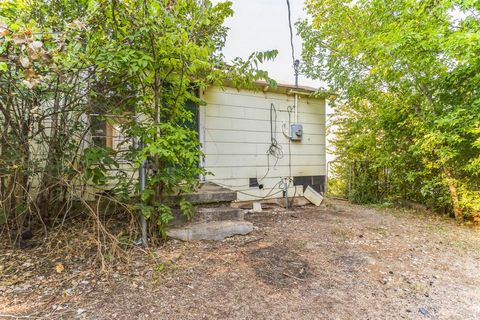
295 62
274 150
291 31
270 193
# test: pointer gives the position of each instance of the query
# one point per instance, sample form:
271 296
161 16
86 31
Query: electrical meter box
296 132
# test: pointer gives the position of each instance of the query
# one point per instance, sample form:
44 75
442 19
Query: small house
265 143
257 144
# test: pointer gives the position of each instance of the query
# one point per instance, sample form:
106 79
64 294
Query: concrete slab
313 196
215 230
218 214
208 214
257 207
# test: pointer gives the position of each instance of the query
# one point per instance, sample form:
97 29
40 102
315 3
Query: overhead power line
291 31
295 62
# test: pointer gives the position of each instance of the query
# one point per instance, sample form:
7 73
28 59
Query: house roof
290 89
288 86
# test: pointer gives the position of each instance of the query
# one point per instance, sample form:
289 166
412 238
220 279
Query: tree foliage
155 56
43 94
408 116
141 61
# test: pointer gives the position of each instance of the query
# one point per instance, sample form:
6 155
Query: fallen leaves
59 268
317 268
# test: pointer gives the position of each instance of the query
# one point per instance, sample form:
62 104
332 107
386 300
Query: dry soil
339 261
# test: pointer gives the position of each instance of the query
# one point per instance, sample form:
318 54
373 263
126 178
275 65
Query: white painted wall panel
260 149
261 160
231 123
259 99
237 136
235 128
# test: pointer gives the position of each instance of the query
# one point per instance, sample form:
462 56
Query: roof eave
290 89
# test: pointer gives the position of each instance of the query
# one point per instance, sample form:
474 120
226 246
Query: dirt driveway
339 261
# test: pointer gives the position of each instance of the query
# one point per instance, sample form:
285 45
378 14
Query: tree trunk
452 187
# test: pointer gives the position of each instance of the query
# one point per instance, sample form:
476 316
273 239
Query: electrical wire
291 31
254 195
275 149
295 62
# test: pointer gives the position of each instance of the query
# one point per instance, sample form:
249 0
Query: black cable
274 150
295 62
253 195
291 31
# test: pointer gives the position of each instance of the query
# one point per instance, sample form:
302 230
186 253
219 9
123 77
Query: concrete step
211 193
203 215
214 230
218 214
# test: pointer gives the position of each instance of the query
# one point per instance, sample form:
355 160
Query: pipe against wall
142 175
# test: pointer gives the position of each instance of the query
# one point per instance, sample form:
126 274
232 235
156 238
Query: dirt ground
339 261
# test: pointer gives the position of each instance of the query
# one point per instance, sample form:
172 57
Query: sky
259 25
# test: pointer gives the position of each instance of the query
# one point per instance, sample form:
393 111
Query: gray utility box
296 132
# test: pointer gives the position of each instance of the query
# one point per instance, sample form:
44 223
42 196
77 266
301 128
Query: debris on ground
338 261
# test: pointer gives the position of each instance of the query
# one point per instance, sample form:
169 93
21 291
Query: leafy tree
407 74
139 60
155 55
43 92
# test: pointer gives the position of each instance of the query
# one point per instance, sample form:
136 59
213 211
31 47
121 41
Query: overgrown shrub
65 65
408 76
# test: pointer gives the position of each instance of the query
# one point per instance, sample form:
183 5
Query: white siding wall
235 131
